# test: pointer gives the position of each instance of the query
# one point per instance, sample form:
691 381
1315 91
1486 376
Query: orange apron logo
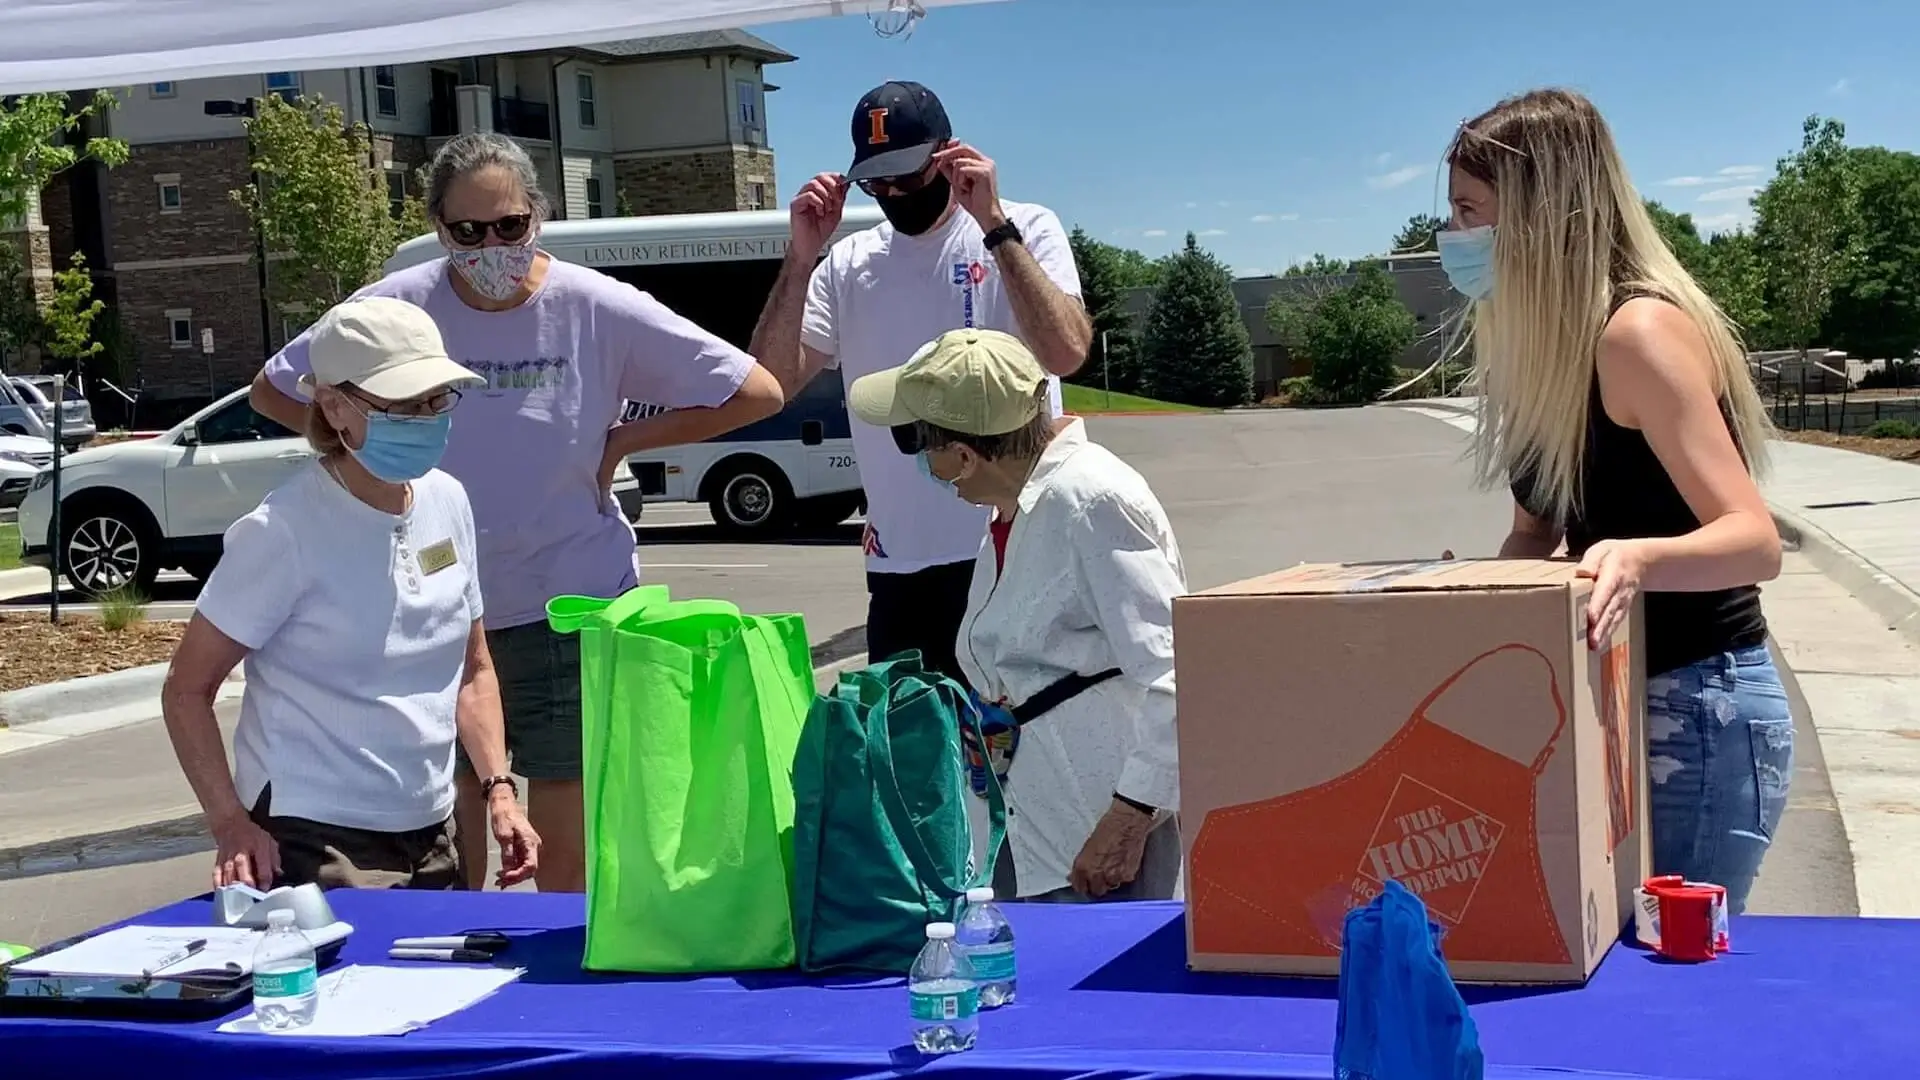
877 127
1450 819
1616 691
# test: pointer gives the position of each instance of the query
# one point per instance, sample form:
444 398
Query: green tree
1137 271
1319 266
1352 336
19 313
1419 234
40 136
1805 228
1681 235
67 318
1876 297
1198 351
320 201
1105 278
1734 276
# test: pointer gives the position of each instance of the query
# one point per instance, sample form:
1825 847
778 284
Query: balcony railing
511 116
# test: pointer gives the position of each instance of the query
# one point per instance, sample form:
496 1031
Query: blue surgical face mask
1467 257
926 470
398 450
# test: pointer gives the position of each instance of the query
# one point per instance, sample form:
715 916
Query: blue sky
1280 128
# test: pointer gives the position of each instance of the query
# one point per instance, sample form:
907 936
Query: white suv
131 509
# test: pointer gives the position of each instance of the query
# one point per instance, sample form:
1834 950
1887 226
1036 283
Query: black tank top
1626 494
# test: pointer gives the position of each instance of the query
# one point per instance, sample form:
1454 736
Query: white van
796 468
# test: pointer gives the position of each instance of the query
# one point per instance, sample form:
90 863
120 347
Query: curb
1881 592
186 834
1452 405
94 702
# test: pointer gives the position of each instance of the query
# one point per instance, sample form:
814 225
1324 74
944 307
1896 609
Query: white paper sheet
88 44
131 951
364 1000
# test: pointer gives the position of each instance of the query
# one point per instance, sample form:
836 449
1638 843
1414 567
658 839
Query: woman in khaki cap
1068 635
351 594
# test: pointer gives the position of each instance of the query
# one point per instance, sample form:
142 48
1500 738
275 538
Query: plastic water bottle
986 939
285 972
946 1002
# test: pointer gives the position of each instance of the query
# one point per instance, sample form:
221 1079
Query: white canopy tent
86 44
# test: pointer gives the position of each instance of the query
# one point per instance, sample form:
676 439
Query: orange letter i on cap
878 134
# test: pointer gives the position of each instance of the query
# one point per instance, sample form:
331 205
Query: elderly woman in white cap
1068 635
350 593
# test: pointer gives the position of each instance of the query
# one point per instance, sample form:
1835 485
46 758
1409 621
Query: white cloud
1193 206
1741 172
1289 217
1213 232
1841 88
1719 223
1731 194
1154 232
1250 271
1690 181
1731 172
1262 219
1224 203
1383 160
1397 178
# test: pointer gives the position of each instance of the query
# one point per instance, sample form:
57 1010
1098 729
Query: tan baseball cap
386 347
973 382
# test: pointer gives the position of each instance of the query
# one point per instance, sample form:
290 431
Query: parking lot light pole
55 546
248 110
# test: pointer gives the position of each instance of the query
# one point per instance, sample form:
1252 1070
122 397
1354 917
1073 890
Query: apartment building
660 125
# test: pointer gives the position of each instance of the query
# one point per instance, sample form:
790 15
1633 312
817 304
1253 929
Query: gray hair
464 155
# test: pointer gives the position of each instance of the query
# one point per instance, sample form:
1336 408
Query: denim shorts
1720 759
539 673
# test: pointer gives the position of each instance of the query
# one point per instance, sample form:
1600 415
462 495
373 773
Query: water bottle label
934 1007
284 984
991 963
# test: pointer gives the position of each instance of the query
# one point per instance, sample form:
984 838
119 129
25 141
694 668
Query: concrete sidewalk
1858 518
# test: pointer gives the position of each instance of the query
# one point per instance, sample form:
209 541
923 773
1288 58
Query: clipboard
159 998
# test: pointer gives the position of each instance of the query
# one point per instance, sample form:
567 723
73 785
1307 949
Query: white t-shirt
357 622
874 300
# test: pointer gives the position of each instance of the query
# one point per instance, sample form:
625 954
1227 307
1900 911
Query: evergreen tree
1103 285
1197 349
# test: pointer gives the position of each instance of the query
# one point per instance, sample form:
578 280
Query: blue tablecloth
1103 991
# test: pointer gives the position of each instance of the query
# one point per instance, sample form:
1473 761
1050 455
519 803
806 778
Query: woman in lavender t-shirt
561 346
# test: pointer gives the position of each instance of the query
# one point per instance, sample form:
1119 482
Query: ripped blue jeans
1720 758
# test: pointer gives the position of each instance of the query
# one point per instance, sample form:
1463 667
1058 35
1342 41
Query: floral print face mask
496 273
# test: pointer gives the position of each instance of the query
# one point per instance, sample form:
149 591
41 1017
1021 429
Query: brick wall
223 297
56 212
699 182
208 222
406 152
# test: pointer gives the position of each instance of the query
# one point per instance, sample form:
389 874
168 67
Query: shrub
1893 429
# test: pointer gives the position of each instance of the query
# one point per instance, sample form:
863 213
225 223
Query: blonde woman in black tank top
1619 409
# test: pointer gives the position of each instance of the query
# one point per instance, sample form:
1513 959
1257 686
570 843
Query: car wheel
104 548
751 498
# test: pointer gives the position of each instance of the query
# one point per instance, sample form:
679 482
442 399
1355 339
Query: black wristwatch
1002 233
1136 804
491 782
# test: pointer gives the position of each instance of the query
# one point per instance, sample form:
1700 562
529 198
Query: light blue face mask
926 470
1467 257
398 450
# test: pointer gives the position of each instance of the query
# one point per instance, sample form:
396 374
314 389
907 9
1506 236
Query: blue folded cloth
1401 1017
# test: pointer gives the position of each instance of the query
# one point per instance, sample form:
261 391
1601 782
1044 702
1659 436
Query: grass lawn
9 546
1091 401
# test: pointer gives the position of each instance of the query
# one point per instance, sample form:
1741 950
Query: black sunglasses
882 186
510 229
907 438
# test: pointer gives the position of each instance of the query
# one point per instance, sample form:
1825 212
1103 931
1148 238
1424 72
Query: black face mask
917 210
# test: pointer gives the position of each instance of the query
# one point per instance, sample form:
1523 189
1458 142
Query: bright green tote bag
690 713
882 846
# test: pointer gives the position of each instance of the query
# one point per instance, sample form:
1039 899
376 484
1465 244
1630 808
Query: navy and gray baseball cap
896 129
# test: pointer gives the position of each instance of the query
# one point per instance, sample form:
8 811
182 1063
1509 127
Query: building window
169 193
293 322
284 85
160 90
595 207
397 192
749 94
386 90
757 196
583 86
180 329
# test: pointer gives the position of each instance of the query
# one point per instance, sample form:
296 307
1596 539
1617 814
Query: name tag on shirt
437 557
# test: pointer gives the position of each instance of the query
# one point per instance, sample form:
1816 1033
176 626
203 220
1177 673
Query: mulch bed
1894 449
35 651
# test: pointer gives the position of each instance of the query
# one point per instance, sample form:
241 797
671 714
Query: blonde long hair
1571 240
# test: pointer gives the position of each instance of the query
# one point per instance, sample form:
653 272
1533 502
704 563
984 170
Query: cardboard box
1440 723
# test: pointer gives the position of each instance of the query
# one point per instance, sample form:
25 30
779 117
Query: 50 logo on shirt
968 276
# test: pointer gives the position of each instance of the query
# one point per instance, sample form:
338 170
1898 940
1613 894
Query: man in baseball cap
1070 613
951 255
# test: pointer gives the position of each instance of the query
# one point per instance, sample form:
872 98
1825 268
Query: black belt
1057 694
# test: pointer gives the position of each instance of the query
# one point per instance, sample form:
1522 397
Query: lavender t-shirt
528 445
